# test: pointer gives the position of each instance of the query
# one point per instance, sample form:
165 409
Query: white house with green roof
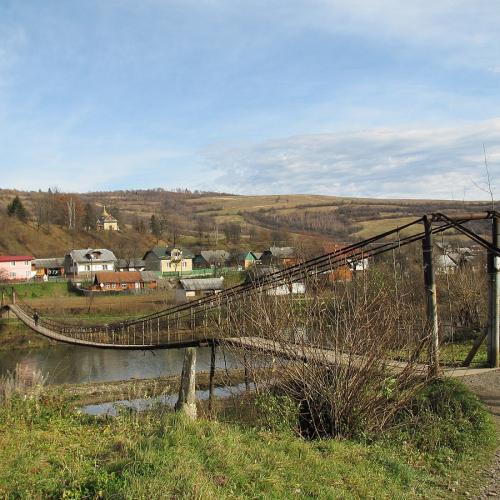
165 260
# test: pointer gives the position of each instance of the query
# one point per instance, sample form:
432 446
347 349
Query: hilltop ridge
201 220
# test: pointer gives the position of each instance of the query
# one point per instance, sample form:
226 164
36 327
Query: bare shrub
332 348
23 381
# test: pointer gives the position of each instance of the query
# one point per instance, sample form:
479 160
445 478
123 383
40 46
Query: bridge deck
289 351
327 356
47 332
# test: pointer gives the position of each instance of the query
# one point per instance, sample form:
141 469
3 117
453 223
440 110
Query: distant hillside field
57 222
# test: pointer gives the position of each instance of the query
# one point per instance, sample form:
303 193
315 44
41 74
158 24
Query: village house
121 281
130 265
449 259
169 261
106 222
48 268
15 267
191 289
150 279
211 259
86 262
258 274
279 256
252 258
358 264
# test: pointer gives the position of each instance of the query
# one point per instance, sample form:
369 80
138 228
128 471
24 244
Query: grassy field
48 450
373 227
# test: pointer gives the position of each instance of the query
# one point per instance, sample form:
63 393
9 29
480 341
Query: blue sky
354 98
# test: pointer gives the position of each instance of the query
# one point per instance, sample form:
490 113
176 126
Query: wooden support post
245 366
493 297
13 296
475 347
212 374
187 398
431 299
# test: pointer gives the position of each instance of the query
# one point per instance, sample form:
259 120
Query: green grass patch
47 450
34 290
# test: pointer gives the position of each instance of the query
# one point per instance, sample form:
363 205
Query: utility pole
431 298
493 297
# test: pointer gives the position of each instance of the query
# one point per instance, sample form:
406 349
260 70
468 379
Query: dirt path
487 387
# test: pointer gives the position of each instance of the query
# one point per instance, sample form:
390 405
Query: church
106 222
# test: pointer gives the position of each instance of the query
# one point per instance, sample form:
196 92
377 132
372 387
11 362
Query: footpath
487 387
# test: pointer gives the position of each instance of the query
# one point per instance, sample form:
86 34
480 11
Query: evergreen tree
89 217
155 226
16 209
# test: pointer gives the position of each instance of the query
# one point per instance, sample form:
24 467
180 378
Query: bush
446 416
277 412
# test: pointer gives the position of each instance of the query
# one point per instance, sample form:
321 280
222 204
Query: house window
184 263
104 267
12 275
113 285
26 262
13 263
124 285
87 268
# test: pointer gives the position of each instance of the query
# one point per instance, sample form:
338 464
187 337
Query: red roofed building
15 267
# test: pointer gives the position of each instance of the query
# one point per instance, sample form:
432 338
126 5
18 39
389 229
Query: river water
66 364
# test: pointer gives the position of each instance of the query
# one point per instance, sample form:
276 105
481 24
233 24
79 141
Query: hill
56 222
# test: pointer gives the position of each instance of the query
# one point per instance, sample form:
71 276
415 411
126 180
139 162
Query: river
66 364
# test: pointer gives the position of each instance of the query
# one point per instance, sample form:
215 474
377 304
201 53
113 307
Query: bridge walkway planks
328 356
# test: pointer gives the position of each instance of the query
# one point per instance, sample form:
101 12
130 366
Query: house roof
165 252
282 252
253 255
202 284
212 256
149 276
130 263
15 258
101 255
446 260
118 277
48 263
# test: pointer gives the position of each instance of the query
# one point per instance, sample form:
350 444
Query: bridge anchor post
186 402
431 298
493 297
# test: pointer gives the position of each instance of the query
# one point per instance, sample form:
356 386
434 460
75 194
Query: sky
379 98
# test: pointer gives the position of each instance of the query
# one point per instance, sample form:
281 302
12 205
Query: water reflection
112 408
65 364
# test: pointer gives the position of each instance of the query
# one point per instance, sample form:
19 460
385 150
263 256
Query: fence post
493 296
187 398
431 299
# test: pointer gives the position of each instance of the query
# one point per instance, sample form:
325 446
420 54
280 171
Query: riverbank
95 393
48 450
15 335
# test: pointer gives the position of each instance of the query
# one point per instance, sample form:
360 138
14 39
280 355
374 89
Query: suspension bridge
193 323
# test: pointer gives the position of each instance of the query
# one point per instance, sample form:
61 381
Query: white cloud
402 163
